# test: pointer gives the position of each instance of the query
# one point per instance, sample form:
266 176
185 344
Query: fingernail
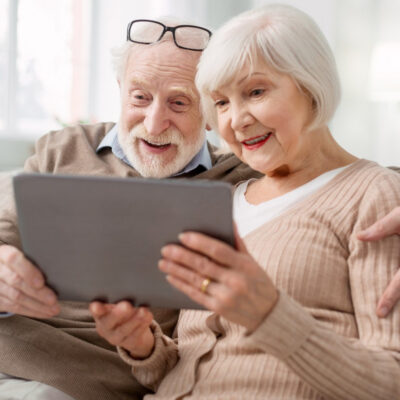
383 311
184 236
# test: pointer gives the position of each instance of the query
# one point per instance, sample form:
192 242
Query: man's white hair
121 54
288 41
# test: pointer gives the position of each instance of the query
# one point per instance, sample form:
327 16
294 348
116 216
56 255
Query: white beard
154 165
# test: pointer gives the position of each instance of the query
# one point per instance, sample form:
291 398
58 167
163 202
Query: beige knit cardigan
323 339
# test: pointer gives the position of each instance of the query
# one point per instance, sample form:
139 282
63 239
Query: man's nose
156 120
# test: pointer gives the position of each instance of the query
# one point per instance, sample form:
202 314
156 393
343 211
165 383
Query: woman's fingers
217 251
125 326
193 261
203 298
111 317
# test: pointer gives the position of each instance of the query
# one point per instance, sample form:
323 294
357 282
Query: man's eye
179 104
139 97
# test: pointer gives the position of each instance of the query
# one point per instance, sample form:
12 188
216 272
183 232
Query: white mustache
169 136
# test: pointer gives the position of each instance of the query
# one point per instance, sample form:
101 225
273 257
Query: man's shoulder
90 134
69 150
227 167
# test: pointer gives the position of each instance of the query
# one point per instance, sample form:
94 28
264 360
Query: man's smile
155 147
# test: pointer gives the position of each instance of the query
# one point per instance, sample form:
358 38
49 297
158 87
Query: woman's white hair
121 54
288 41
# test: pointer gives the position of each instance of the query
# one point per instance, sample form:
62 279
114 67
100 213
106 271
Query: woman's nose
241 117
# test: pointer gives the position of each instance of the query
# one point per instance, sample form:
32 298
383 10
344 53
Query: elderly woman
293 315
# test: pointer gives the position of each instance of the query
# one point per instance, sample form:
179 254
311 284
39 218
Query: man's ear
208 127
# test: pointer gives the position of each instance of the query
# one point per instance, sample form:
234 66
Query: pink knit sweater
323 339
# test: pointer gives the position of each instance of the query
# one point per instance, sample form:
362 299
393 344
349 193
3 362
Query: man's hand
125 326
22 286
386 226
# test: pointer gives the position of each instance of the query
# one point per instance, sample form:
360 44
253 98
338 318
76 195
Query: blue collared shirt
202 158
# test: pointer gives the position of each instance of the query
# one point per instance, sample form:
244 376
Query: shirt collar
202 158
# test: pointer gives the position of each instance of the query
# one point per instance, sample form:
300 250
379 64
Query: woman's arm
139 340
337 366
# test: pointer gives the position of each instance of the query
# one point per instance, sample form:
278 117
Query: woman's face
263 116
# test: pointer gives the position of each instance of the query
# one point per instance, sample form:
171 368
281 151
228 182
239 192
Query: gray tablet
100 237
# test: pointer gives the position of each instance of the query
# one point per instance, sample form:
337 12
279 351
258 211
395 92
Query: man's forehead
163 66
142 82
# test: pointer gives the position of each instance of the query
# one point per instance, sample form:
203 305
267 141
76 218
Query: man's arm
386 226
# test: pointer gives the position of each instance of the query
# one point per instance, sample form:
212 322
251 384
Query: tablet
100 237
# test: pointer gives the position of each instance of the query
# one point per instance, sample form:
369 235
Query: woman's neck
322 154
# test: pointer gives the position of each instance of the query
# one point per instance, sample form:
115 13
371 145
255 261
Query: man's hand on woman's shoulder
386 226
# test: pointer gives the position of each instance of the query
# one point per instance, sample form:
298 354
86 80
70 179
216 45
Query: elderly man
51 350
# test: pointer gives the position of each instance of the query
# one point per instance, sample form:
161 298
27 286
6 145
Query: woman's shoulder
374 187
370 175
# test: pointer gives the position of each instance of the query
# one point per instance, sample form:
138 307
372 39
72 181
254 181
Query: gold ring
204 285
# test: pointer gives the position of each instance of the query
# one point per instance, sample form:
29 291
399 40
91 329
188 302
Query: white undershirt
249 217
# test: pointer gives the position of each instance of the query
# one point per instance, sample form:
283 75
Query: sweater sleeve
9 233
150 371
366 368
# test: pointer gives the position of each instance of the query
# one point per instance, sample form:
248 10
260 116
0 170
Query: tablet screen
100 237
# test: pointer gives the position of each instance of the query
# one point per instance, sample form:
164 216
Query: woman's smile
256 142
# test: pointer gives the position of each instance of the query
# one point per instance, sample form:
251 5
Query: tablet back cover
100 237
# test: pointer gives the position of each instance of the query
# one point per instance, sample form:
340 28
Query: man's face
161 127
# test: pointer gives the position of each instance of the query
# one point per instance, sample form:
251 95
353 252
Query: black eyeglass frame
166 29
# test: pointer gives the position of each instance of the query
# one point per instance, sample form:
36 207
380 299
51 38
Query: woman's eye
257 92
220 103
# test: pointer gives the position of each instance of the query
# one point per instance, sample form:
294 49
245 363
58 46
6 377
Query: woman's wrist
270 305
144 351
